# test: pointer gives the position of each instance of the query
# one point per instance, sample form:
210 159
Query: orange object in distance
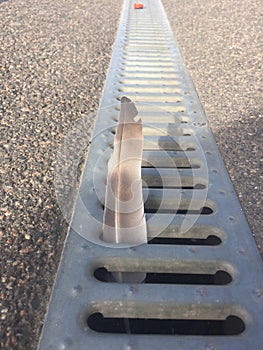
137 6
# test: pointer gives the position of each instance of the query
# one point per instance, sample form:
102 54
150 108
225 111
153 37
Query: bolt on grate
204 285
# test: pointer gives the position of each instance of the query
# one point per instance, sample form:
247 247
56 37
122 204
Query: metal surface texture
204 284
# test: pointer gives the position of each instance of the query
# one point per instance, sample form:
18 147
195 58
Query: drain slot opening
162 182
185 187
157 159
177 163
219 278
201 211
209 241
232 325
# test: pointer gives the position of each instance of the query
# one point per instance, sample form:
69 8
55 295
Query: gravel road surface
53 62
54 57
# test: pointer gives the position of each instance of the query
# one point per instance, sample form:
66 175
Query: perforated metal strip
204 286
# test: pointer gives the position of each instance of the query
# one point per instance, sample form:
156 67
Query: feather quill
124 220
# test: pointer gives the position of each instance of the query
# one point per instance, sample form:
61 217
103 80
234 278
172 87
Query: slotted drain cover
203 286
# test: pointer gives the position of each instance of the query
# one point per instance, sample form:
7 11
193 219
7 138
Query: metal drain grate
204 286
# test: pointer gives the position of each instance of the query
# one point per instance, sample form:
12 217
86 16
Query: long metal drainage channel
203 287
